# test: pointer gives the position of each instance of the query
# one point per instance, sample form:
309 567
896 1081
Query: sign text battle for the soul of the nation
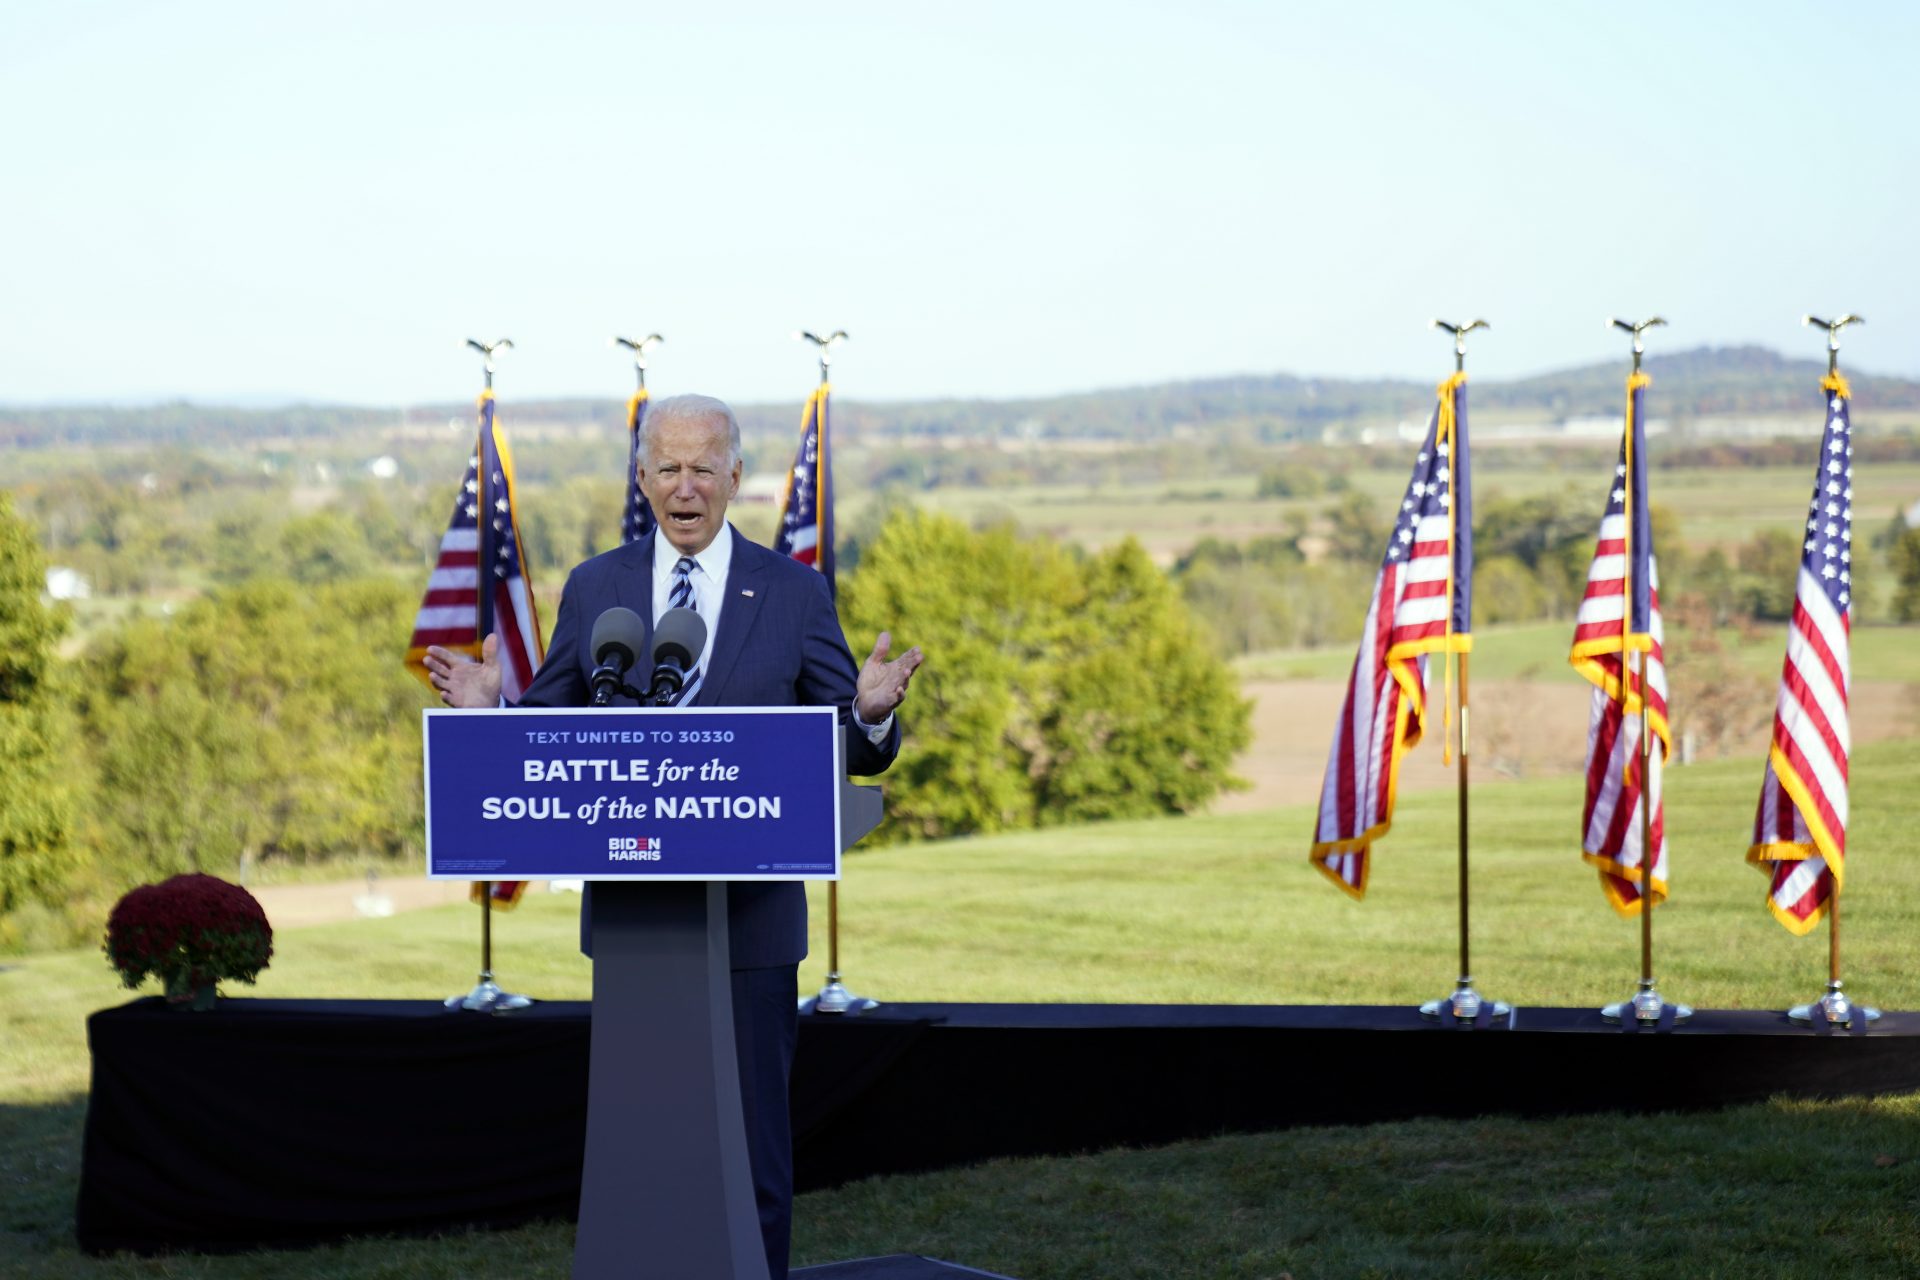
632 770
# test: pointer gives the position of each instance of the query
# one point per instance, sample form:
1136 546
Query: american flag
1422 604
637 522
1620 615
1800 830
806 520
454 613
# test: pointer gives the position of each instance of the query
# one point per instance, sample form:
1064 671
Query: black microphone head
618 638
679 638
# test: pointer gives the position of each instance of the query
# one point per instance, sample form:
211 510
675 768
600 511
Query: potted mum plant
190 932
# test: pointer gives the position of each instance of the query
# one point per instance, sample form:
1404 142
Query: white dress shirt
709 581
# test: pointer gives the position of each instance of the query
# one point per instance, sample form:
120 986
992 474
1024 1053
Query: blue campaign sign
633 793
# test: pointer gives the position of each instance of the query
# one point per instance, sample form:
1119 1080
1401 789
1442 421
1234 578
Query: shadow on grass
40 1182
1766 1189
40 1174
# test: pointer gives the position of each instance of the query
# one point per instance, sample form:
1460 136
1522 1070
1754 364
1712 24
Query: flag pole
636 515
486 996
1833 1006
639 349
1647 855
1646 1005
1464 1004
834 997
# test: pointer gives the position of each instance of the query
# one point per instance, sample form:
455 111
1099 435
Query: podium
722 794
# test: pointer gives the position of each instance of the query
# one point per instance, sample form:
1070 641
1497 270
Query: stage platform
280 1123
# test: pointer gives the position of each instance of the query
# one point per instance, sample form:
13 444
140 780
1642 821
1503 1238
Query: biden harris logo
633 849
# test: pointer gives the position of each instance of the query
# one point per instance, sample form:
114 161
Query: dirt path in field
1521 729
289 906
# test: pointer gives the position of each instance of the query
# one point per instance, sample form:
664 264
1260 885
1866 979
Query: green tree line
1310 586
270 722
267 721
250 706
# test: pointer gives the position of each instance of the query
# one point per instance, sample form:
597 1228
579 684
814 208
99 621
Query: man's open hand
883 684
462 682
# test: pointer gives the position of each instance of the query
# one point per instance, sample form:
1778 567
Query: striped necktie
680 596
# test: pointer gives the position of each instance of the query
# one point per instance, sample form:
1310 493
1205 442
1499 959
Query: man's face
688 480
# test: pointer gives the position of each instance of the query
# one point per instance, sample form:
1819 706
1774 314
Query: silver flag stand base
1646 1007
835 998
1832 1008
488 998
1464 1005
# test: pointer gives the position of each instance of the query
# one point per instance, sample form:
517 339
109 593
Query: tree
1242 591
1357 530
1905 555
1551 534
265 719
981 605
36 796
325 546
1710 579
1505 590
1145 720
1244 605
1291 480
1058 688
1720 705
1769 574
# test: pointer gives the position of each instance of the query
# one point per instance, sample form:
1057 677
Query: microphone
677 643
618 636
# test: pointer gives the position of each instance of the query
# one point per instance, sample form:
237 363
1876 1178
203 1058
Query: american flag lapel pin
747 592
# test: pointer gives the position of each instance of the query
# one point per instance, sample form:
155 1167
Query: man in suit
773 639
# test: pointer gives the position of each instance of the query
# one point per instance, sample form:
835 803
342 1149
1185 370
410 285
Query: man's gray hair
691 408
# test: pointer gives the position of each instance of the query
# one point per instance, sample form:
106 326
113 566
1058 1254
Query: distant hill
1705 381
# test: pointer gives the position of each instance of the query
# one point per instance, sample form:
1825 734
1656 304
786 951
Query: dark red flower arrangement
190 932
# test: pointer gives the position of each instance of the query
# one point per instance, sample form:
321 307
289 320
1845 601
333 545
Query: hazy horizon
267 403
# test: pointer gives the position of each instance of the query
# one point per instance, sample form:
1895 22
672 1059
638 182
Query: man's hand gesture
462 682
883 684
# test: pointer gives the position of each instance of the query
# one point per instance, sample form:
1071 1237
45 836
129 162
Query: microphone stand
669 678
609 681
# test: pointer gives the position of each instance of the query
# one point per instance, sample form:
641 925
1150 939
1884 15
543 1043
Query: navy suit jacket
779 644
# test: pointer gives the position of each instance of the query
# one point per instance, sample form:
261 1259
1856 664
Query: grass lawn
1218 910
1532 650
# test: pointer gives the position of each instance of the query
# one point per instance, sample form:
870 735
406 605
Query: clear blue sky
253 200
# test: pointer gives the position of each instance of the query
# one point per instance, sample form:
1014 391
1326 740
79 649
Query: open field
1529 708
1721 507
1210 909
